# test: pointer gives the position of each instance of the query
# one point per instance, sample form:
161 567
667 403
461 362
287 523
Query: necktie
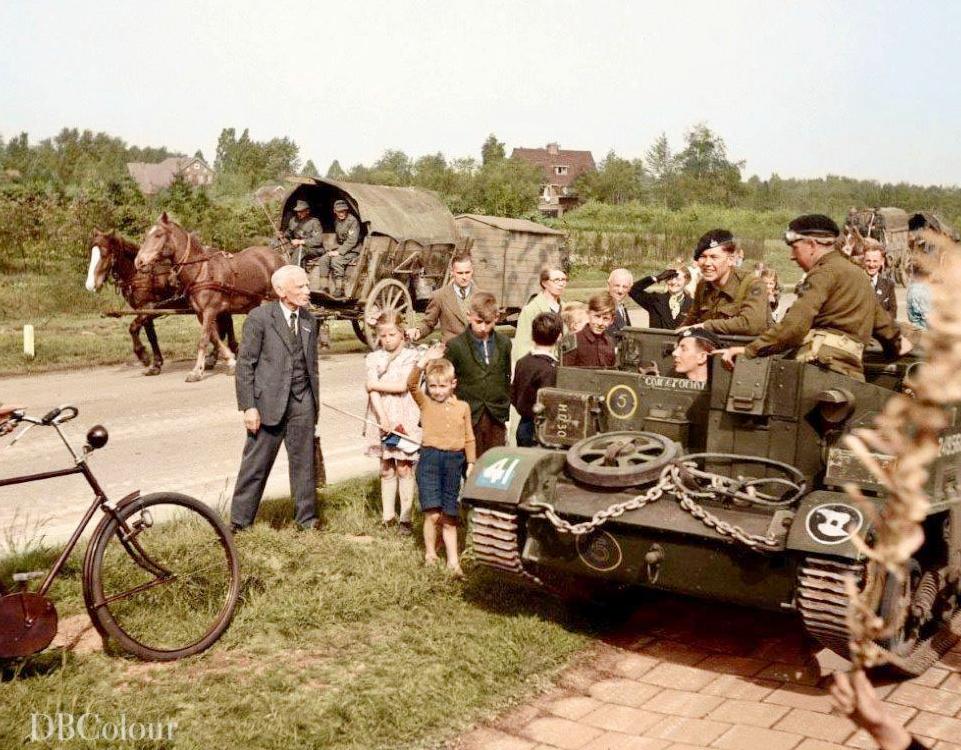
293 325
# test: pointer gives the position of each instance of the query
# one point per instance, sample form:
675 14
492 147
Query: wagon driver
304 232
334 262
836 312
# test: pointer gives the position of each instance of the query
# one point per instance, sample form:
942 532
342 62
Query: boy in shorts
447 445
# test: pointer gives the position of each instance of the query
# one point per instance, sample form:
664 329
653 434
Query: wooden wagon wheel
387 294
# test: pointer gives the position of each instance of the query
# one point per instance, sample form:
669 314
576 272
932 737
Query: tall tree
335 171
659 160
309 169
493 150
616 180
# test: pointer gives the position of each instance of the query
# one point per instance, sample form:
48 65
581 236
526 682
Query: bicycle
160 574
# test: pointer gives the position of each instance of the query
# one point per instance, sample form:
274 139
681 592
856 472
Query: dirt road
165 434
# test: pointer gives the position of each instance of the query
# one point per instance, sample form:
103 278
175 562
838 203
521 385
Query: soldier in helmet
836 312
305 232
728 300
335 261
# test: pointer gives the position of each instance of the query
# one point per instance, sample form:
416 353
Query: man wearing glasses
836 312
553 283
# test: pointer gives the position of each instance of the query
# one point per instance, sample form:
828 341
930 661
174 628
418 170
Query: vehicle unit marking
599 551
498 475
621 402
833 523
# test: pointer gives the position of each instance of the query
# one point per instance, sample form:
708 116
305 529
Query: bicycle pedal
24 577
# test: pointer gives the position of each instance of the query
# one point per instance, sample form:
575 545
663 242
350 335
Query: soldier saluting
304 232
728 300
836 312
335 261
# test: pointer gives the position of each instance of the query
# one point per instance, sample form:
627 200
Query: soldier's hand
413 334
854 696
252 420
297 243
333 254
667 273
728 355
905 347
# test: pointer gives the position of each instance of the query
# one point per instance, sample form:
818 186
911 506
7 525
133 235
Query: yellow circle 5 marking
621 402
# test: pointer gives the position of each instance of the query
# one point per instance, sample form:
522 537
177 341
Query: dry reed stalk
908 430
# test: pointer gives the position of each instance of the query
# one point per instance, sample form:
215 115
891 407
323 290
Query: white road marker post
28 341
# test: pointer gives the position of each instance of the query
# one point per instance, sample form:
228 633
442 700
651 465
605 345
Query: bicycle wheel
163 580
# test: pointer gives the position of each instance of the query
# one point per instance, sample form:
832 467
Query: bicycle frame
100 502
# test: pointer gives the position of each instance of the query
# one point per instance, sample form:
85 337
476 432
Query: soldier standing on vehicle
836 312
304 232
334 262
728 300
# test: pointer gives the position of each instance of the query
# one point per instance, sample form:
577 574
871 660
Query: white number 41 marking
500 472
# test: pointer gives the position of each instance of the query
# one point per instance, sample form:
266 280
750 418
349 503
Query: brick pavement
688 675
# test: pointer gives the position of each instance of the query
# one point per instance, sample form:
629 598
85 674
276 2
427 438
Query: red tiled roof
577 163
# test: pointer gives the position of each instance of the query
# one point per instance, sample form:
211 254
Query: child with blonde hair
447 449
394 410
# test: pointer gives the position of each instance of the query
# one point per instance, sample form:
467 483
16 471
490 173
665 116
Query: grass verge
342 640
74 341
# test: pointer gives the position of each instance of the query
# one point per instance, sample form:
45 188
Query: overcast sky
865 89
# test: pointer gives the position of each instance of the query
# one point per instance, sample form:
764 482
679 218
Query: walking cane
405 438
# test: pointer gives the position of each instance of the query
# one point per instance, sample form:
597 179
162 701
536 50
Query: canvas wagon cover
398 212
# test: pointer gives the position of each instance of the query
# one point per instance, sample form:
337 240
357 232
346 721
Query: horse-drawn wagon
408 237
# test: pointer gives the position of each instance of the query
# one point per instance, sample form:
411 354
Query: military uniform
739 308
310 231
832 320
347 232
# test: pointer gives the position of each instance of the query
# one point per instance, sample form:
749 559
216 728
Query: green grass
342 639
86 340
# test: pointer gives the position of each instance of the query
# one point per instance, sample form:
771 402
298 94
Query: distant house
152 178
561 167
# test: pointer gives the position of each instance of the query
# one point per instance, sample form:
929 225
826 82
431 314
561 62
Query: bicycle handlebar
55 416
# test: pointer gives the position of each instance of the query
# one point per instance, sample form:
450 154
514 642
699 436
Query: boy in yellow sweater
447 445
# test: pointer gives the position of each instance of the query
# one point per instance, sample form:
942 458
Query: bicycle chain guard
28 623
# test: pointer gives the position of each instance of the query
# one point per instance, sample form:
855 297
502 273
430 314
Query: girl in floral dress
392 408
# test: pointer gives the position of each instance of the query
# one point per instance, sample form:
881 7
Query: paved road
691 675
165 434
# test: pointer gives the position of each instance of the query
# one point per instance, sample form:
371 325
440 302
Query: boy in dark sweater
593 347
535 371
482 363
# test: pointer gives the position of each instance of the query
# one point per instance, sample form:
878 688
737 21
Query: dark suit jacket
886 296
656 304
481 385
265 364
444 309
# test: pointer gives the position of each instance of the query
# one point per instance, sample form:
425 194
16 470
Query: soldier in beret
728 300
304 232
836 312
334 262
692 353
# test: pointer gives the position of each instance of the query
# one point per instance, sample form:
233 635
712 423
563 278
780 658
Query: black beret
815 225
699 333
714 238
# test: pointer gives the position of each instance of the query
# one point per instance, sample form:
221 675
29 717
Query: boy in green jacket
482 364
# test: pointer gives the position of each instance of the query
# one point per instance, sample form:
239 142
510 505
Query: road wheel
387 294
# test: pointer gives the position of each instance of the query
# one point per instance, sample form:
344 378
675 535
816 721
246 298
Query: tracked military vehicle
729 490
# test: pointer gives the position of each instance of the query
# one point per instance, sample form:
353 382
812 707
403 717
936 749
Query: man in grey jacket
277 390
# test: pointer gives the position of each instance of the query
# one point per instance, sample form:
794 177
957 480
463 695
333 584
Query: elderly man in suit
277 390
619 283
449 306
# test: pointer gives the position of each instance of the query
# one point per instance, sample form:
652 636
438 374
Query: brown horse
112 256
214 282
